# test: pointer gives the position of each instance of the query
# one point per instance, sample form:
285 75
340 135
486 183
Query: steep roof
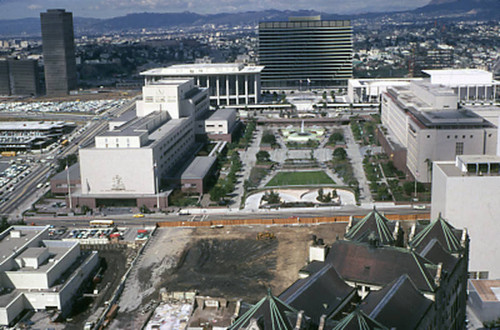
446 234
359 262
358 320
270 312
375 223
398 305
319 294
435 252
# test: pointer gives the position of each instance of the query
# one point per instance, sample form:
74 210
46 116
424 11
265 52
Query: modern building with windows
425 120
127 164
58 51
465 191
305 52
31 135
227 83
19 77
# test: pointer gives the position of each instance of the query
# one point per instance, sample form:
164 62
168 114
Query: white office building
466 191
424 119
472 86
127 163
227 83
37 273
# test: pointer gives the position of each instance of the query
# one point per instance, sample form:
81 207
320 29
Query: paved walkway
354 154
248 160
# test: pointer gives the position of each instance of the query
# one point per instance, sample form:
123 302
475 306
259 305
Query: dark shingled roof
359 262
446 234
270 313
319 294
398 305
358 320
375 223
435 252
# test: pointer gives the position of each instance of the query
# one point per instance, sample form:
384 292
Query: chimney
322 322
349 225
463 241
437 279
396 231
299 320
412 232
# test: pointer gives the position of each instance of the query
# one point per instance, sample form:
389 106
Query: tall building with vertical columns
305 51
227 83
58 51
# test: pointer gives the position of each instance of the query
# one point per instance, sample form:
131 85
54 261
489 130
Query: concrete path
248 160
354 154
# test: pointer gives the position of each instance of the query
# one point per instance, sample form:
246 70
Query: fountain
305 134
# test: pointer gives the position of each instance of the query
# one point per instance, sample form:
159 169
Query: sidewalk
357 164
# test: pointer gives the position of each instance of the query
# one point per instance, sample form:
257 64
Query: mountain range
442 9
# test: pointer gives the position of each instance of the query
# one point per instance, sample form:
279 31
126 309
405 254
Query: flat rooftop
488 290
74 173
203 69
32 125
135 127
56 249
10 244
222 114
450 119
434 89
198 168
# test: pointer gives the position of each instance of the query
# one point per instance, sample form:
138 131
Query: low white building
425 120
221 122
472 86
128 162
37 273
227 83
467 193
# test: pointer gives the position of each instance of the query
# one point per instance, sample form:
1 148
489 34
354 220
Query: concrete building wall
61 265
12 310
395 120
471 202
27 279
117 171
4 78
429 145
82 274
24 77
120 141
486 311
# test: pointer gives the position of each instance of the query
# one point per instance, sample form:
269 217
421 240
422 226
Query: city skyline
11 9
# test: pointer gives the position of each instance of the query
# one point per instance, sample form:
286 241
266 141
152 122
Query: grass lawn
300 178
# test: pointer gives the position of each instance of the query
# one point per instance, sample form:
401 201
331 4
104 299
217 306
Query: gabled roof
375 223
398 305
435 252
358 320
446 234
270 312
319 294
359 262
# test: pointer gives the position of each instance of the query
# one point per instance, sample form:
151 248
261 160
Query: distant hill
443 9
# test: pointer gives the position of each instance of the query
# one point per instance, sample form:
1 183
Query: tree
340 154
334 193
272 197
217 193
4 224
263 156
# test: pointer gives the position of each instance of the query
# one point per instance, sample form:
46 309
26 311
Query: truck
9 153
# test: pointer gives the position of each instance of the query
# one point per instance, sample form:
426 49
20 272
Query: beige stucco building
425 120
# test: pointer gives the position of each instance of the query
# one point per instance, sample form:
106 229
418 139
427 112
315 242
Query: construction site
238 262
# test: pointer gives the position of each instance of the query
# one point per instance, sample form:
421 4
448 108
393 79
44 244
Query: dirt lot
227 262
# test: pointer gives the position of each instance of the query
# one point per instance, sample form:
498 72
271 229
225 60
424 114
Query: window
459 148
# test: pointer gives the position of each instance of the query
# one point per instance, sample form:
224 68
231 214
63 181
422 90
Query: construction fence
286 221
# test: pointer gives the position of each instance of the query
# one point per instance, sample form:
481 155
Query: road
129 220
27 188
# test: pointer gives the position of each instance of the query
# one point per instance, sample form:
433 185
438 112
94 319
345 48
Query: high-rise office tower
23 77
4 78
305 51
58 51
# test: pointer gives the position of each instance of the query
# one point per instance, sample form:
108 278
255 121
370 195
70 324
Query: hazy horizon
15 9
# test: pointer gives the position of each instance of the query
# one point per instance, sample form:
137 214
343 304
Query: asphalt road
128 219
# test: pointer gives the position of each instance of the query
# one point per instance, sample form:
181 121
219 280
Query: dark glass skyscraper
58 51
305 51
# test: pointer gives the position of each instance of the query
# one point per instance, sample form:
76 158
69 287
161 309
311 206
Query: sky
11 9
